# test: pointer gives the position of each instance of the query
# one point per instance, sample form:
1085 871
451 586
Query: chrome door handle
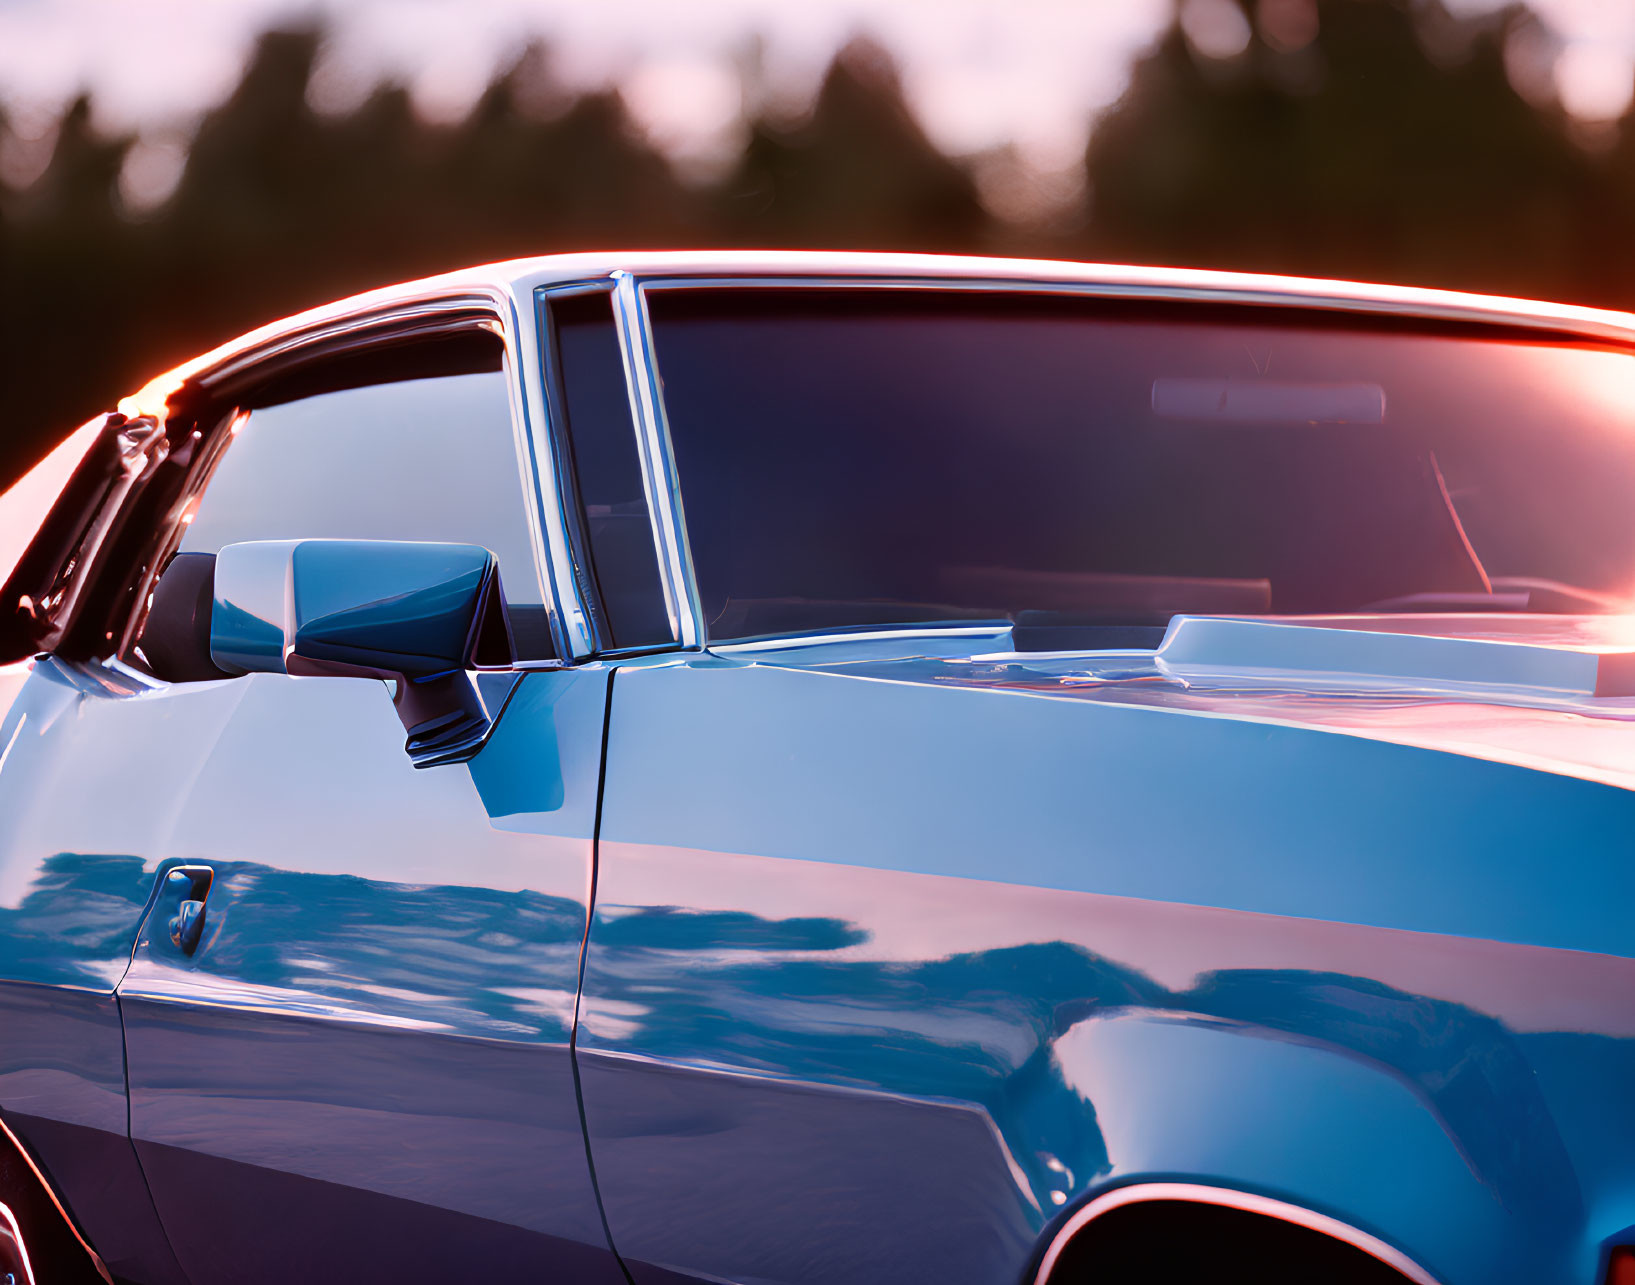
187 924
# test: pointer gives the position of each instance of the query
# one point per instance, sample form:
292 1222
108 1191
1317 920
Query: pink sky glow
980 73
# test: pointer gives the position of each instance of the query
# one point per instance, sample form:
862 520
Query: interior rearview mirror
419 615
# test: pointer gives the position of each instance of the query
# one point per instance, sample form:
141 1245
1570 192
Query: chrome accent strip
559 453
658 463
887 634
139 682
547 518
1196 1193
1146 654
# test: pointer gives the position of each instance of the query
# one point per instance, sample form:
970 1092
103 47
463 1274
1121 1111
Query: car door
362 1070
73 884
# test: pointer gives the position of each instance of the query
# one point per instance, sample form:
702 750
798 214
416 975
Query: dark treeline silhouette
1392 145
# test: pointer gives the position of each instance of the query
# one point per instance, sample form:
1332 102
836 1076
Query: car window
852 458
412 442
595 406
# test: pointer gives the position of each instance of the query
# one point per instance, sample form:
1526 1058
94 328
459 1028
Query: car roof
509 280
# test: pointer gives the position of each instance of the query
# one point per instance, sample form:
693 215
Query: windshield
852 458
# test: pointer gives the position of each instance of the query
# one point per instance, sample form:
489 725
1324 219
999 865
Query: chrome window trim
547 516
1127 282
863 633
804 267
1227 1197
555 447
598 631
528 473
676 576
1316 299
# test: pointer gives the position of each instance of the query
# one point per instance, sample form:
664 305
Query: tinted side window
607 470
410 442
1091 469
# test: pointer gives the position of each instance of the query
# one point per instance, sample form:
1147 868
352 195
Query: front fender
1151 948
1227 1104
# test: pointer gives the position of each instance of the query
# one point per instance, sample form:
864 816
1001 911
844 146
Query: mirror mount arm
443 716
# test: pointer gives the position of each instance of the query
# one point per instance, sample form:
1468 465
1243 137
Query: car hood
1554 693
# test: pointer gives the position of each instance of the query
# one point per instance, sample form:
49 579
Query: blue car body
866 954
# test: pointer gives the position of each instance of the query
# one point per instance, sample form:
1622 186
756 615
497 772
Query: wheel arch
53 1249
1087 1214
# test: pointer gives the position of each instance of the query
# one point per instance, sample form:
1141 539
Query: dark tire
1163 1241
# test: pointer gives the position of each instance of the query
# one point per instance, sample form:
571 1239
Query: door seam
130 1141
579 989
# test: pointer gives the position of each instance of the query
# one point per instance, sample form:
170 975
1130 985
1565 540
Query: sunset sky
978 72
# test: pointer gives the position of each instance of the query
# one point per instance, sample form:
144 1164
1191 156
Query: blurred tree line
1386 140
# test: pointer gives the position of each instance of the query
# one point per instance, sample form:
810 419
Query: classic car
783 768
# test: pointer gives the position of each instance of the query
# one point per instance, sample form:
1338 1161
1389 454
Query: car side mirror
419 615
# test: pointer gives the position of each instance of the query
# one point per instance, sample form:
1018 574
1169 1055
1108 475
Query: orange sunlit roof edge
514 277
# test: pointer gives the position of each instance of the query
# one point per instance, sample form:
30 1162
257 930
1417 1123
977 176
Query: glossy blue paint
904 945
74 883
372 1037
375 606
903 959
1087 778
